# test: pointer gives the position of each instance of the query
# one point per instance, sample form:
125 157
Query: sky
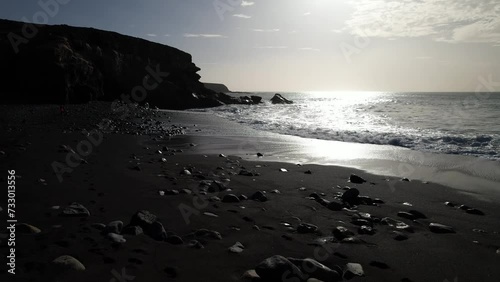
305 45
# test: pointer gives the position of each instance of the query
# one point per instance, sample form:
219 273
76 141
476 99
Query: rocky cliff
217 87
63 64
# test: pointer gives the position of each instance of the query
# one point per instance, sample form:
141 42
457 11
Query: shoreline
111 187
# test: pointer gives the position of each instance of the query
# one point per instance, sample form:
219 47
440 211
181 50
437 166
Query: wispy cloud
247 3
266 30
441 20
203 35
307 14
151 35
242 16
166 35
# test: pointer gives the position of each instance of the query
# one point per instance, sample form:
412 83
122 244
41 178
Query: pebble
133 230
230 198
237 248
195 244
315 270
407 215
27 228
114 227
210 214
399 236
366 230
250 275
350 195
259 196
116 238
450 204
273 268
222 156
304 228
68 263
283 170
185 172
174 240
208 233
474 211
76 210
356 179
354 269
341 233
440 228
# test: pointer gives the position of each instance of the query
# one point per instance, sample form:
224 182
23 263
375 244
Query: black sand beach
147 165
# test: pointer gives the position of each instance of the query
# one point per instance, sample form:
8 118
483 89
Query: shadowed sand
125 174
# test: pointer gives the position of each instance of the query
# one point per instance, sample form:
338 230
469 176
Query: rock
243 197
354 269
185 172
245 172
174 240
237 248
250 275
114 227
256 99
216 186
147 221
99 226
440 228
283 170
222 156
304 228
214 199
210 214
230 198
474 211
396 223
366 230
116 238
308 172
405 179
195 244
260 155
418 214
341 233
133 230
498 252
25 228
208 234
316 270
75 210
399 236
450 204
68 263
407 215
351 195
259 196
171 192
274 268
356 179
464 207
278 99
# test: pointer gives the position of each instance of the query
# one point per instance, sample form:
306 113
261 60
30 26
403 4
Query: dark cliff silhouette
63 64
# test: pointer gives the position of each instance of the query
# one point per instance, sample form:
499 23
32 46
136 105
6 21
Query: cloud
166 35
441 20
151 34
247 3
203 35
242 16
307 14
266 30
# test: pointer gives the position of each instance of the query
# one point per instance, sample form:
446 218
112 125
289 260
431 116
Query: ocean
450 123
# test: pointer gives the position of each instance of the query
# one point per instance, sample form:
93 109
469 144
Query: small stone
259 196
230 198
366 230
356 179
75 210
116 238
186 191
260 155
114 227
195 244
237 248
341 233
216 186
214 199
275 191
133 230
250 275
440 228
68 263
208 233
273 268
174 240
406 215
498 252
163 160
210 214
450 204
308 172
98 226
474 211
185 172
304 228
162 193
283 170
405 179
354 269
302 189
316 270
418 214
350 195
25 228
222 156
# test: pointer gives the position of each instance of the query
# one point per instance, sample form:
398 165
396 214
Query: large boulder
278 99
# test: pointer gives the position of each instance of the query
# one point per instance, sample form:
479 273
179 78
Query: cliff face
62 64
217 87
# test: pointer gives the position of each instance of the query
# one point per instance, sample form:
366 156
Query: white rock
116 238
355 269
68 263
237 248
